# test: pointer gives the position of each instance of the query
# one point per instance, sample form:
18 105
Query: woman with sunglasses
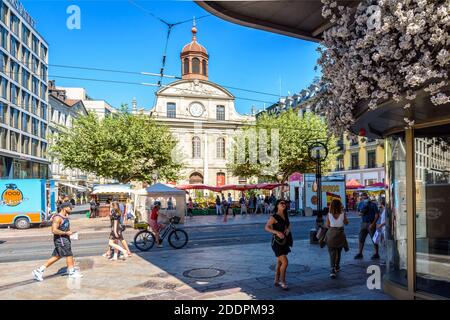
280 227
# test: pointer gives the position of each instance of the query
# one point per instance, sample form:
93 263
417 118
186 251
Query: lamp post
280 177
318 152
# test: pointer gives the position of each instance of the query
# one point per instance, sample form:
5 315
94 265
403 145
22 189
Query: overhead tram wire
155 75
143 84
169 26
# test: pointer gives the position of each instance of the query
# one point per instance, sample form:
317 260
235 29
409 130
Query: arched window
186 66
204 67
196 148
196 65
196 178
220 148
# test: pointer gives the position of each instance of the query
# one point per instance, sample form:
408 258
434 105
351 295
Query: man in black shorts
61 239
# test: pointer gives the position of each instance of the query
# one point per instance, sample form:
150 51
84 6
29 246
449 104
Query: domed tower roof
194 59
194 46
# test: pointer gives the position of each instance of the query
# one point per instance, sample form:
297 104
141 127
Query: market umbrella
353 184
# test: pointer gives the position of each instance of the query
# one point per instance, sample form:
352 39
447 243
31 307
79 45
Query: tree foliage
122 146
294 134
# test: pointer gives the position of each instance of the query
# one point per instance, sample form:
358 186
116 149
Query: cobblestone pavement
242 271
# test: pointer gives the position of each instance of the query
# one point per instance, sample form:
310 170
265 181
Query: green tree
294 135
122 146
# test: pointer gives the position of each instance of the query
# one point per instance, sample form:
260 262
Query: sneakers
376 256
333 274
75 274
358 256
38 275
160 245
337 269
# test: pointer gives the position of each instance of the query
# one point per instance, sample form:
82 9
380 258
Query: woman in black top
280 227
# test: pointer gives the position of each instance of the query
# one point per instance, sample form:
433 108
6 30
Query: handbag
280 241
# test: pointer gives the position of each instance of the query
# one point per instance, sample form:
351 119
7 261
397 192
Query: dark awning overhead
299 18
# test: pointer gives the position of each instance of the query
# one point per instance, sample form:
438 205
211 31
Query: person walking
335 236
218 205
93 207
170 204
272 202
243 203
259 204
266 205
116 235
229 203
190 207
129 211
369 213
63 246
280 227
252 204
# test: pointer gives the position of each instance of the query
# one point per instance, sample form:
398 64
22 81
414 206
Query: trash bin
312 237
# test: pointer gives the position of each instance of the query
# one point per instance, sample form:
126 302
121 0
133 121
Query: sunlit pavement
234 271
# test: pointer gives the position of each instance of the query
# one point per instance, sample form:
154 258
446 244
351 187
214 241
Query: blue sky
118 35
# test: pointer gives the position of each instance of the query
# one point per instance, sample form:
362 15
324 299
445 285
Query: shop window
432 215
396 215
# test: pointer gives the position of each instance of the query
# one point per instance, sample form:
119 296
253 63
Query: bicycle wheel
144 240
178 238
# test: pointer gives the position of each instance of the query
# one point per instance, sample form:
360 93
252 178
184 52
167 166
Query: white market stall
119 192
173 201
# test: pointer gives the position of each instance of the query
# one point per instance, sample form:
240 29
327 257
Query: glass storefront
427 159
432 176
396 217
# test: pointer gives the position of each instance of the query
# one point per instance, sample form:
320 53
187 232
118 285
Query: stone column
205 161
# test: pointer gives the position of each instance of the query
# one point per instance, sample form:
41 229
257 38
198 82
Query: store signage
12 196
21 10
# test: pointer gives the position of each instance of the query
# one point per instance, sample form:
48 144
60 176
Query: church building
202 116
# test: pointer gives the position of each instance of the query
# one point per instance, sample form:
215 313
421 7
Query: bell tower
194 59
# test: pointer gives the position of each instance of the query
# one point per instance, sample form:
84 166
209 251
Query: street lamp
280 177
318 152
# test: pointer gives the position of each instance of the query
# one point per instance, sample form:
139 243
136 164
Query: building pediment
195 88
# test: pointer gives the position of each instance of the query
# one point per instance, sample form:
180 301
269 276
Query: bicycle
145 240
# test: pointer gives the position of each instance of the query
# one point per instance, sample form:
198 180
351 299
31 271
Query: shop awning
238 187
353 184
79 188
112 189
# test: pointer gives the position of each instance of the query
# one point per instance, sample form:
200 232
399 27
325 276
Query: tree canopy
121 146
280 144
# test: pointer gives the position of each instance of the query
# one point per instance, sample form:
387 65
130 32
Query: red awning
377 185
353 184
238 187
